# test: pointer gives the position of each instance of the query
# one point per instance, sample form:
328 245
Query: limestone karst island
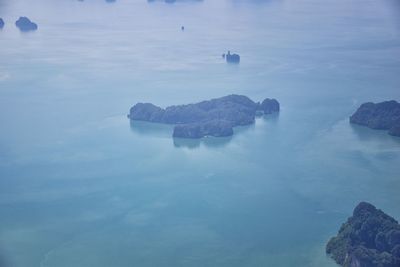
216 117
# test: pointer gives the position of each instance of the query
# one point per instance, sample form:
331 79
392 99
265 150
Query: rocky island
370 238
231 58
24 24
215 117
1 23
381 116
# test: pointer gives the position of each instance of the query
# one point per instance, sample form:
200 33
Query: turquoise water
81 186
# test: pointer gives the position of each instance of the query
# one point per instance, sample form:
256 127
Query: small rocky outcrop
24 24
269 106
232 58
370 238
146 112
1 23
381 116
215 117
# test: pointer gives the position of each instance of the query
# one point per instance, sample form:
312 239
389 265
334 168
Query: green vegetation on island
380 116
215 117
370 238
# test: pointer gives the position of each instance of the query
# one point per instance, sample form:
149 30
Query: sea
82 186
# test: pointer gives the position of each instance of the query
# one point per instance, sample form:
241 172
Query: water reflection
366 134
144 128
160 130
252 1
206 141
249 3
174 1
271 118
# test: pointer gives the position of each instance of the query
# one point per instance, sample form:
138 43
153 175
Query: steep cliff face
370 238
382 116
215 117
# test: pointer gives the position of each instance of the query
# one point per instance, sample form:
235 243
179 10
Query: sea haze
81 186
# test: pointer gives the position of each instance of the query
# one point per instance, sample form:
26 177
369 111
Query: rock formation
1 23
215 117
232 58
382 116
269 106
24 24
370 238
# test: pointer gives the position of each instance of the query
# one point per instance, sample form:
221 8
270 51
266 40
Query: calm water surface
81 186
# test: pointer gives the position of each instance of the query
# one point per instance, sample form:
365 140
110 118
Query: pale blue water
80 186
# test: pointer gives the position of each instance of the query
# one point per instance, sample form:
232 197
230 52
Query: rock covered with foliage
215 117
370 238
269 106
381 116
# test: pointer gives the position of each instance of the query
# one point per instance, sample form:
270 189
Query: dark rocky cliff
381 116
370 238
